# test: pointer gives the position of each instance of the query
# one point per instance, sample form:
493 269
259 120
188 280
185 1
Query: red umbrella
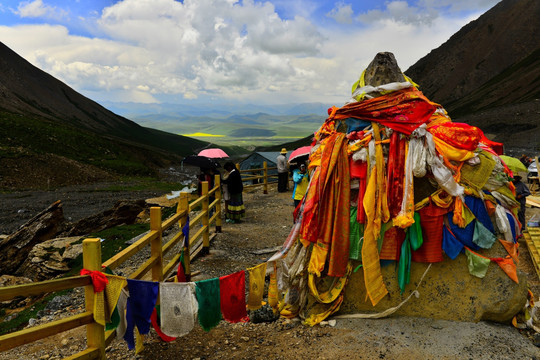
301 151
213 153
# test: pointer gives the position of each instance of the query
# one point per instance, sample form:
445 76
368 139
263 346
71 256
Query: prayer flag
508 266
482 236
233 297
207 292
511 248
156 325
478 265
178 308
451 246
256 286
140 305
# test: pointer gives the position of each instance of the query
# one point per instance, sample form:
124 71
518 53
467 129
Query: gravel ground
266 226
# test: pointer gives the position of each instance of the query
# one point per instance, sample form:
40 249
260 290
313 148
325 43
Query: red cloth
403 110
459 135
431 221
232 292
361 172
391 246
156 327
396 173
99 280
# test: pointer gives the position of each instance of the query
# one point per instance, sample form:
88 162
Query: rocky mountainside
486 69
47 125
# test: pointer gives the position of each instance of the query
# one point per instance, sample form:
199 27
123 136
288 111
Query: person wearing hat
283 171
522 191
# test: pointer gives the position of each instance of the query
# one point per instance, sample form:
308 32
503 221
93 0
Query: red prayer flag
233 297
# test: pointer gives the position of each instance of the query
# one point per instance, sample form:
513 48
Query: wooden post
183 204
217 182
206 232
95 333
155 245
265 174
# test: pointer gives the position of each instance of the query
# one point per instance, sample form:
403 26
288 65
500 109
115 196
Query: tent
256 160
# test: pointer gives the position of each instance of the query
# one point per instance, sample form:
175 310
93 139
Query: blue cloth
185 231
354 124
140 305
463 235
451 246
478 208
512 222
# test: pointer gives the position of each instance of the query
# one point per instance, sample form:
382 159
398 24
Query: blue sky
271 52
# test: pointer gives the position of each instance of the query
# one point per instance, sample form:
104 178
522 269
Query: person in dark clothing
522 191
235 209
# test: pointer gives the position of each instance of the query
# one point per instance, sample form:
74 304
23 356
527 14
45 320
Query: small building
256 160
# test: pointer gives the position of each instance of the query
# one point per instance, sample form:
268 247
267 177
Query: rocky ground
266 226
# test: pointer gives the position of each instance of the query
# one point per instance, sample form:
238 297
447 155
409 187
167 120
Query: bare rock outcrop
15 248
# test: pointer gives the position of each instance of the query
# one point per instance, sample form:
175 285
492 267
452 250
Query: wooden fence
154 268
259 174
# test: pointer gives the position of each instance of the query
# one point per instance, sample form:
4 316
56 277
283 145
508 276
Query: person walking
283 171
522 191
301 181
235 208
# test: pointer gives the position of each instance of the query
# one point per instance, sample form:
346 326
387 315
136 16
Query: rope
389 311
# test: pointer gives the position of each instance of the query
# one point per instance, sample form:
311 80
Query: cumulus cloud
342 13
37 9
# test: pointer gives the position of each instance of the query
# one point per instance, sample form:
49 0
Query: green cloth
482 236
207 293
478 265
415 233
404 265
356 236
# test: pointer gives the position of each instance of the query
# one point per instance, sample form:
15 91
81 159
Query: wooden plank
38 288
173 220
131 250
26 336
144 268
87 354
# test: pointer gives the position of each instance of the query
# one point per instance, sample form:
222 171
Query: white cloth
281 163
178 307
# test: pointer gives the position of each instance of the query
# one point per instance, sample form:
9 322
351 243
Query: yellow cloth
375 287
450 152
139 341
256 286
476 176
105 301
332 294
405 218
273 290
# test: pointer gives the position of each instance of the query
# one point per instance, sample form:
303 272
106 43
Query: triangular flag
508 266
482 236
207 292
178 308
478 265
233 297
451 246
512 249
256 286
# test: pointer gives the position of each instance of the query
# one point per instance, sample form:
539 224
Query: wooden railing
154 268
259 174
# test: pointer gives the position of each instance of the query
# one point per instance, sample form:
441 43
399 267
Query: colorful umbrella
301 151
513 164
213 153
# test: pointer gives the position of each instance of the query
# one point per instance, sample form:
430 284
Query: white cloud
37 9
342 13
400 11
146 50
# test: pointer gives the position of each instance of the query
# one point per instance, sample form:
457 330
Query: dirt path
267 224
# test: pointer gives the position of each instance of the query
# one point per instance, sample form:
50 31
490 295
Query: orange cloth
403 110
333 209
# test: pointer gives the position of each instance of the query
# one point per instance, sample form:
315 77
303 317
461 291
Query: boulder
448 291
14 249
51 258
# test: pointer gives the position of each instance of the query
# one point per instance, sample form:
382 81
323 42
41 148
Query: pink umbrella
301 151
213 153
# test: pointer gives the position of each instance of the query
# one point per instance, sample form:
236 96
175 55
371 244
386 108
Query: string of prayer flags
233 297
178 307
256 286
140 305
207 292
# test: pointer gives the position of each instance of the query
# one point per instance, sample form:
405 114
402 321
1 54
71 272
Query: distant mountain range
487 74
